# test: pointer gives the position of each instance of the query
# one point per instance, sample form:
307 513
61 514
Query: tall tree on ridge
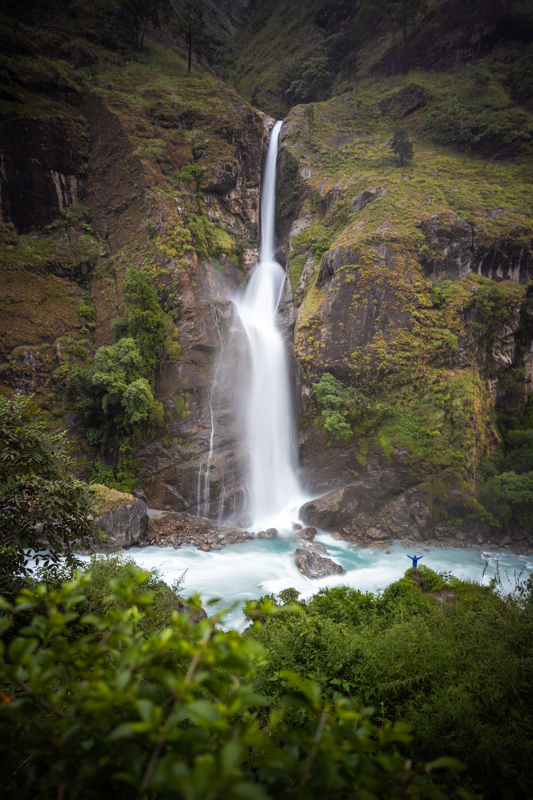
137 13
190 27
404 13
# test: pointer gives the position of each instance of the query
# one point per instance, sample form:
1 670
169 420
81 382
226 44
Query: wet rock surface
270 533
124 526
305 534
364 531
179 529
314 547
315 566
328 510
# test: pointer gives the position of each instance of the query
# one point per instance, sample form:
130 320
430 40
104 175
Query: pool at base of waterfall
266 566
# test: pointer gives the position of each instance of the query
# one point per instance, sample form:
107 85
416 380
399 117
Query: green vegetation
402 145
506 495
148 702
335 402
181 406
458 669
190 26
117 390
137 14
44 509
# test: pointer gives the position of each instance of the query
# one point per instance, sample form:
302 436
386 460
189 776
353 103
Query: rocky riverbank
177 529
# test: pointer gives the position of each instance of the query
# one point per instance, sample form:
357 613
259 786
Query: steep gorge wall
423 313
91 187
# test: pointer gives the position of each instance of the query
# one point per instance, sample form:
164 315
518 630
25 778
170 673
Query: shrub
459 672
43 508
109 704
334 400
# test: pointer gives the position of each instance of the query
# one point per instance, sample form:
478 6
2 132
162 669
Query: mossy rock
109 499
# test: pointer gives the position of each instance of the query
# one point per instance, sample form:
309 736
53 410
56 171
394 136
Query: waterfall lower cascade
270 426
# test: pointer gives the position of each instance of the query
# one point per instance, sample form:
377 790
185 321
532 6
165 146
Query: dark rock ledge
177 529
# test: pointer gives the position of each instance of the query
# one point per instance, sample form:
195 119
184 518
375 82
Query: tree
137 13
404 13
43 509
190 27
112 391
335 401
312 81
402 145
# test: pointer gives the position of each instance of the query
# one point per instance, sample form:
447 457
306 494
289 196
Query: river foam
266 566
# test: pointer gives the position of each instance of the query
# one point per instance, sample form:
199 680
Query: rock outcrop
305 534
122 518
315 566
327 511
404 301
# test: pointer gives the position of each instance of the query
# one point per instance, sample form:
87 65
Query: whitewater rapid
266 566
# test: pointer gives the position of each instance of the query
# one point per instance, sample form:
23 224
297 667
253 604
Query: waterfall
270 426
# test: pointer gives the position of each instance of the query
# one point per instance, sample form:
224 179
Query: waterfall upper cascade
270 425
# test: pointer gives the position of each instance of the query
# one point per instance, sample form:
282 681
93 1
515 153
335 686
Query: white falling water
203 500
273 484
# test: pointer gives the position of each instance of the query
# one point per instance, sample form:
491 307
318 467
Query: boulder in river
315 566
121 517
270 533
245 521
306 534
329 510
315 547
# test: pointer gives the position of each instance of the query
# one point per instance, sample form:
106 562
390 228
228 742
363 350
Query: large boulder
330 510
306 534
121 517
314 547
315 566
196 613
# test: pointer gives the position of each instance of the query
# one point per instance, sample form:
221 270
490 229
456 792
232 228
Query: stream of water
266 566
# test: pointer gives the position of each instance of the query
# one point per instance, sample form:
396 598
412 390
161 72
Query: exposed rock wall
99 190
391 302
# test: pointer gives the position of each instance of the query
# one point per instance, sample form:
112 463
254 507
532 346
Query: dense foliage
506 496
116 392
97 703
457 666
43 508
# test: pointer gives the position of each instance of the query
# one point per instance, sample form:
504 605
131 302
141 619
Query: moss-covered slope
116 161
413 290
286 52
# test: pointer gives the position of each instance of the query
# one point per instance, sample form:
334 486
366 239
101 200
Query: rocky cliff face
422 312
407 284
109 163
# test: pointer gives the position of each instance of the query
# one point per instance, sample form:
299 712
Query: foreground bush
43 509
459 671
93 706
